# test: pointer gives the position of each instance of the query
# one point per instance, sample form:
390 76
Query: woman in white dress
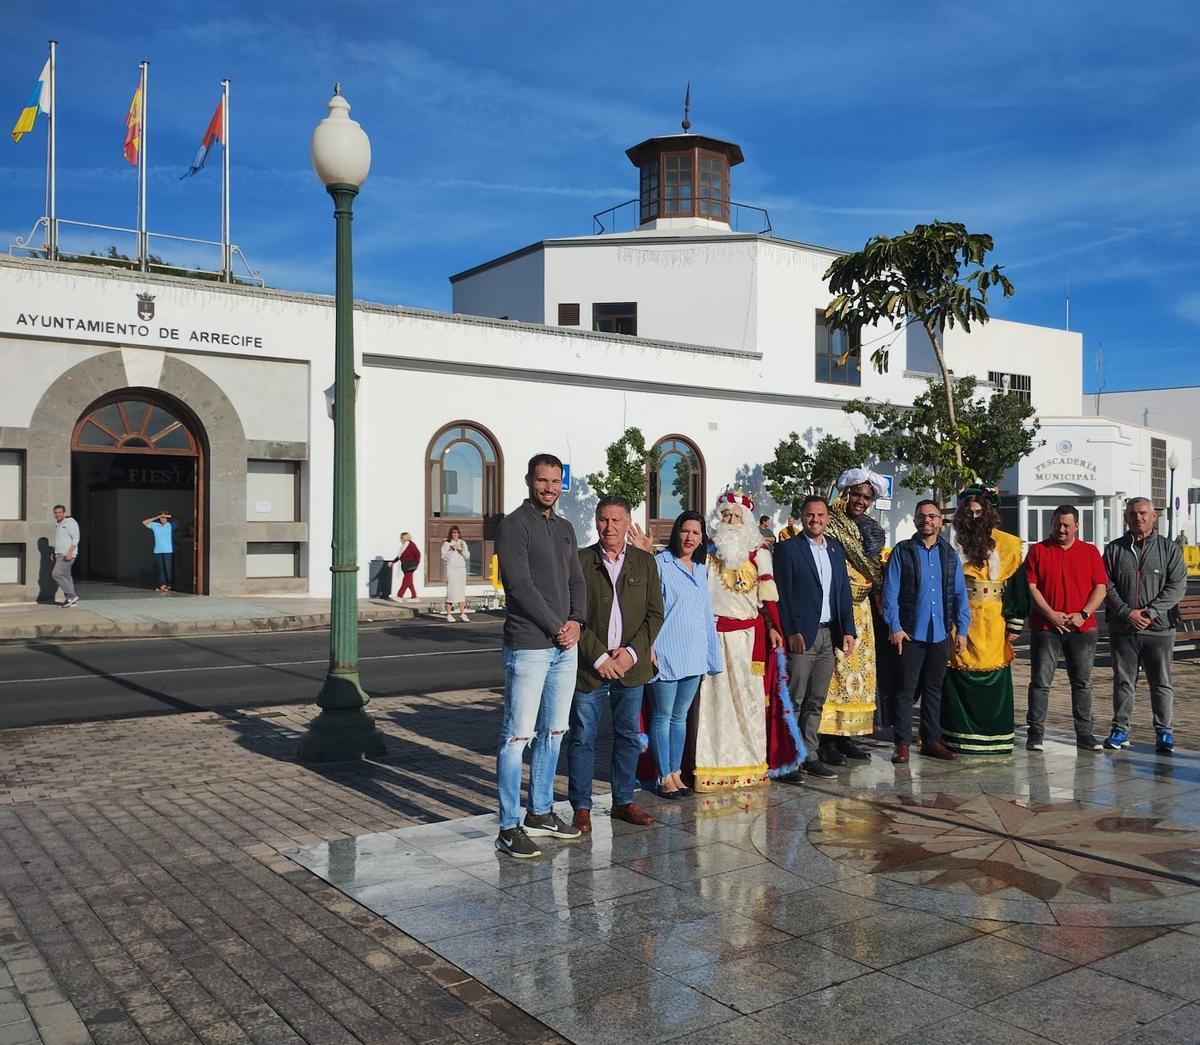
455 555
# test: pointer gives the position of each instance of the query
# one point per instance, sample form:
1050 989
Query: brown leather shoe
901 755
936 749
631 814
582 820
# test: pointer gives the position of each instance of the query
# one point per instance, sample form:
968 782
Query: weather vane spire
687 104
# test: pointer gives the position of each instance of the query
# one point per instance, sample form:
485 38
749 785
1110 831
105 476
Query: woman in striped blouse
685 650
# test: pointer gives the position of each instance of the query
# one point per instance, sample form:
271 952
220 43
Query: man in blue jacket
924 597
817 617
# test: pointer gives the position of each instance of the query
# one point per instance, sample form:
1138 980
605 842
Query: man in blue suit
817 617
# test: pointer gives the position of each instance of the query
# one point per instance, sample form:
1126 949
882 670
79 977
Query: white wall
515 290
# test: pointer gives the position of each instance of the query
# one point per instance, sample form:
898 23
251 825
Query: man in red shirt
1068 583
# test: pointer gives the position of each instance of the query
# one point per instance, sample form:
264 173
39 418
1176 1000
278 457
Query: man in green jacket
624 613
1146 580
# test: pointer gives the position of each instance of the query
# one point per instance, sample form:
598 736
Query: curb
21 633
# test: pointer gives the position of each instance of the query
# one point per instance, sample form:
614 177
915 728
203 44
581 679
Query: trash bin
379 578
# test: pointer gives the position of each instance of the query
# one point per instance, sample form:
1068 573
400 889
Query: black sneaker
852 750
831 756
1088 743
515 842
1033 742
813 767
548 825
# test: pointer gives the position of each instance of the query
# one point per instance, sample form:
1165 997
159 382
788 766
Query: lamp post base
341 736
343 731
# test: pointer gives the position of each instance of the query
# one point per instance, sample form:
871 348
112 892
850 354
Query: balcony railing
607 220
88 247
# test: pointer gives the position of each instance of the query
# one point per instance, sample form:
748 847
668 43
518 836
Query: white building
132 392
1166 410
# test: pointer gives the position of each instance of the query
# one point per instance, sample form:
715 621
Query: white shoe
464 618
450 618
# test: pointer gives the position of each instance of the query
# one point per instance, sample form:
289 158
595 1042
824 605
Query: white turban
856 476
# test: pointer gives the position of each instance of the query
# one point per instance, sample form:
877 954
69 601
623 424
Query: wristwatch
1086 614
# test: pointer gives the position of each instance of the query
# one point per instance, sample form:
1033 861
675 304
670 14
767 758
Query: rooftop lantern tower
684 178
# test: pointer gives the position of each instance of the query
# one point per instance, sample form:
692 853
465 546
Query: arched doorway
464 475
676 485
135 453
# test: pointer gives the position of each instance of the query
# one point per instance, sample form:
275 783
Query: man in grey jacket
1146 580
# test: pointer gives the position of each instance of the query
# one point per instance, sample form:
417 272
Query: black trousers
922 669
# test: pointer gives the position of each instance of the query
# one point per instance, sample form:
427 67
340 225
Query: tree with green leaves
917 277
629 462
795 471
989 433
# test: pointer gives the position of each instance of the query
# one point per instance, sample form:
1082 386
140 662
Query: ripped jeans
538 686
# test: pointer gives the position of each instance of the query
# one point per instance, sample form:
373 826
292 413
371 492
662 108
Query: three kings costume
849 709
977 695
746 731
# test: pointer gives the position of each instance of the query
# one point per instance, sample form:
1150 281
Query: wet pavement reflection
1040 896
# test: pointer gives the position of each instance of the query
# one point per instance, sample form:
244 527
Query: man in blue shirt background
924 594
162 526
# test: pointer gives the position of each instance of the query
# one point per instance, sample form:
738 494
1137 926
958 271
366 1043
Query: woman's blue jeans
669 706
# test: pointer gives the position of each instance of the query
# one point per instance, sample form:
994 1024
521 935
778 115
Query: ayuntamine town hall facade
126 393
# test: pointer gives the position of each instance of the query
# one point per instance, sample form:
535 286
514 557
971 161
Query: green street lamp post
341 157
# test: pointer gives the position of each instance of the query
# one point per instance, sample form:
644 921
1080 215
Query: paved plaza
182 878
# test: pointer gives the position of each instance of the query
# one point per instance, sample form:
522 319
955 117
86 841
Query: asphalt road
47 683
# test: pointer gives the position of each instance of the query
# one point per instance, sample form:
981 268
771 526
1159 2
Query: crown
147 297
738 496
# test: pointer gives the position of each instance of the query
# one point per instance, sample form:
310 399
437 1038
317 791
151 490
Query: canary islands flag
214 133
133 128
39 102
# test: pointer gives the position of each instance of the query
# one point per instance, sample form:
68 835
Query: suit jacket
639 594
799 587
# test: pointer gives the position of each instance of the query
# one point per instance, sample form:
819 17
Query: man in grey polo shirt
66 546
545 596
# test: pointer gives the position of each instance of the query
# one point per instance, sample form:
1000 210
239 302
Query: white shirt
820 554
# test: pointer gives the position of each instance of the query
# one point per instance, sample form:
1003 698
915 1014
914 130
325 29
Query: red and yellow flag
133 128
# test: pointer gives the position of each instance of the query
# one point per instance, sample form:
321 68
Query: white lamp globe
1173 461
341 150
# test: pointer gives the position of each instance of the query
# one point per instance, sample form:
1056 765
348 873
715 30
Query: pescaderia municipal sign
1064 469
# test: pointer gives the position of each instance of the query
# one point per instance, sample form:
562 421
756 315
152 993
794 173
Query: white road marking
241 667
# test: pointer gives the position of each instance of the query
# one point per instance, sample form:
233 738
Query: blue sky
1070 132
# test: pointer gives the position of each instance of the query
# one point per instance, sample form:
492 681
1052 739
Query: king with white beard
731 735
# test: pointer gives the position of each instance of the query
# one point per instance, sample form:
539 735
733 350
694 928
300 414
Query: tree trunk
949 387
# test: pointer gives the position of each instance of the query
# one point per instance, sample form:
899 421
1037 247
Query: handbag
408 567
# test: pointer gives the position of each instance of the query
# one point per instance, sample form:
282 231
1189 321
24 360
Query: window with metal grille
568 313
1158 473
615 317
1020 385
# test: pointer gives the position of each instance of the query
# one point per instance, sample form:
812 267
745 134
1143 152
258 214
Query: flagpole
51 162
226 235
143 238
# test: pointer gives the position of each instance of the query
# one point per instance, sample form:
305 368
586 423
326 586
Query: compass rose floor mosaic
1044 897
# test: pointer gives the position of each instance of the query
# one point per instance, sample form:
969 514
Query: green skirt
977 712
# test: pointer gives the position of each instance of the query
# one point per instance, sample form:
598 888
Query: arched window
676 484
133 426
463 488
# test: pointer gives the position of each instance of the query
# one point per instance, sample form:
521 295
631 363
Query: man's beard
975 538
734 541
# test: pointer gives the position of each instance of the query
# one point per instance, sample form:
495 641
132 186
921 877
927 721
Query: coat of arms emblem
145 306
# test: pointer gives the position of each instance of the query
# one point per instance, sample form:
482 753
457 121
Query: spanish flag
133 128
39 102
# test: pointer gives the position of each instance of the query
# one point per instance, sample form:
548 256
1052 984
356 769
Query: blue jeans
538 684
165 561
669 706
626 704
